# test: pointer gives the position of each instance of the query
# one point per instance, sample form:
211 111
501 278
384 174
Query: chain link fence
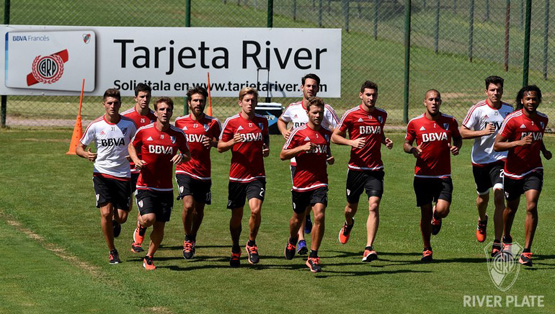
454 46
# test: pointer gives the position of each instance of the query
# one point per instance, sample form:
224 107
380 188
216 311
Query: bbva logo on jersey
430 137
160 149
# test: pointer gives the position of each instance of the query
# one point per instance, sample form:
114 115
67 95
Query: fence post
407 61
526 56
471 31
546 40
376 16
294 10
455 6
346 12
188 13
486 16
320 13
436 29
4 97
507 42
270 20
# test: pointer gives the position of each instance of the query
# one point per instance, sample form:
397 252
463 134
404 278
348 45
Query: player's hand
90 155
265 150
237 138
206 141
177 159
526 140
330 160
308 146
286 134
128 158
454 149
388 143
416 151
547 154
489 128
358 143
140 164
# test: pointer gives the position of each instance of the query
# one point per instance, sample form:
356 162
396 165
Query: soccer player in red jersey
482 124
365 125
310 145
193 177
142 115
111 134
296 115
522 135
158 143
246 134
433 132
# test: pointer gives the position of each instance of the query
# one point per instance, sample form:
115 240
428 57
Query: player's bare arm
266 146
456 147
88 154
293 152
502 144
225 146
282 126
340 138
181 157
409 149
546 153
133 154
467 133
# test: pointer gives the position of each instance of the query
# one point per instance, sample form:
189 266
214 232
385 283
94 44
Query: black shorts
199 189
153 202
301 200
113 191
357 181
237 192
515 188
134 178
488 176
430 190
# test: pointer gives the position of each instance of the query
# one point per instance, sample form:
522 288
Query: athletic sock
190 237
313 253
251 243
526 250
293 240
428 248
235 248
369 248
142 231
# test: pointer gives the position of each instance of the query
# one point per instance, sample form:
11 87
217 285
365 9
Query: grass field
55 259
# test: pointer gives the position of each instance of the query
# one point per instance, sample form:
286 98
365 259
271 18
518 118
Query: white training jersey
111 142
296 114
476 119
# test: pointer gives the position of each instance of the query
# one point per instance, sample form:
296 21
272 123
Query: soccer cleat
496 249
308 225
289 251
345 232
436 224
303 249
136 248
426 256
148 264
481 229
507 247
526 259
369 255
114 257
117 228
188 249
252 254
313 264
234 261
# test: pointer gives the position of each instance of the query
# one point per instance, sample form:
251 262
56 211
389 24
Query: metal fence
454 45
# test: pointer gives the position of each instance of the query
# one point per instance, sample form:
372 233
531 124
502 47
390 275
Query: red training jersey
157 149
195 130
247 162
522 160
310 172
140 121
369 126
434 138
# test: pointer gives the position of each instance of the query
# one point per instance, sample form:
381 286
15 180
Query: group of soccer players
137 150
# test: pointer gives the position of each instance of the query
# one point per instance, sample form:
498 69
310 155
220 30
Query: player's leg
513 191
353 189
319 226
156 237
139 231
237 193
499 202
255 195
532 187
106 215
300 202
374 190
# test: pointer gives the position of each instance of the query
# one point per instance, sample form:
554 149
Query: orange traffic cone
76 137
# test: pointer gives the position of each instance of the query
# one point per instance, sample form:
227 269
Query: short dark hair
196 90
315 101
311 76
494 79
432 90
369 85
166 100
112 92
522 91
142 87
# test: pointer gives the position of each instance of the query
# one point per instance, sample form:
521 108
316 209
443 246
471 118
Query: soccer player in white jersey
296 114
111 134
482 123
